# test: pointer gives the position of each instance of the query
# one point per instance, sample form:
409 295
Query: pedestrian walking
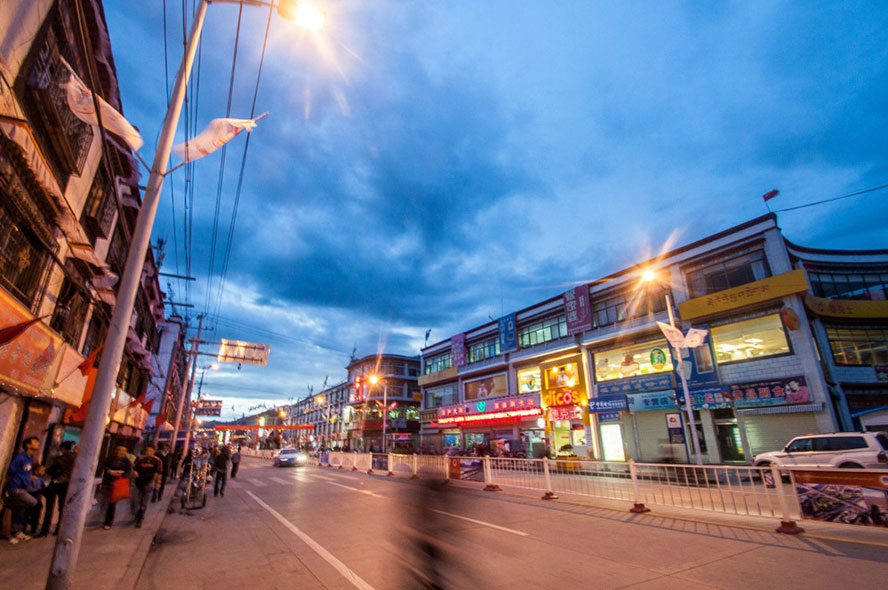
148 469
17 498
166 459
235 462
220 463
115 482
59 472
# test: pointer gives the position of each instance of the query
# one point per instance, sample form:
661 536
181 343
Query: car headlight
302 458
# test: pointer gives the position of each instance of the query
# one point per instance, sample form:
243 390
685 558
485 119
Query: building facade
590 373
69 198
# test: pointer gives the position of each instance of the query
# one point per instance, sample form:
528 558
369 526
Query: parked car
852 450
291 457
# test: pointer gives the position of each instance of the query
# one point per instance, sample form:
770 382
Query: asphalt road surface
311 528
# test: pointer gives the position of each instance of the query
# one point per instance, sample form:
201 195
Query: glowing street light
649 276
374 379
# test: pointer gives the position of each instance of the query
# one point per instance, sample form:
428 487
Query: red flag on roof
9 334
148 406
161 418
138 401
770 195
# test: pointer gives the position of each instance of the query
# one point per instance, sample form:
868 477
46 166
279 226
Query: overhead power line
863 192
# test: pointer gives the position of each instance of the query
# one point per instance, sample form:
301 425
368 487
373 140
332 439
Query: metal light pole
79 495
80 488
689 405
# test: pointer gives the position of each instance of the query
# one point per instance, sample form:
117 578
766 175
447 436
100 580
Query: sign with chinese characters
508 333
30 362
638 384
652 400
605 417
608 403
789 390
565 413
208 407
881 373
247 353
674 428
489 405
846 308
706 398
788 283
577 311
458 350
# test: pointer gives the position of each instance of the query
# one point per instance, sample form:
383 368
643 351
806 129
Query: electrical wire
863 192
240 180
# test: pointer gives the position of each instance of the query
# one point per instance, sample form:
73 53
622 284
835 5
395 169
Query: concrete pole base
789 527
414 476
639 508
550 496
492 487
389 474
354 468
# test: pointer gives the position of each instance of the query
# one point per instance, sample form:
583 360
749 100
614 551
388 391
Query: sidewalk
108 559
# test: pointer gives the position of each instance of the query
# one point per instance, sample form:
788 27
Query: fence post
354 460
488 478
415 466
787 526
637 507
549 495
390 464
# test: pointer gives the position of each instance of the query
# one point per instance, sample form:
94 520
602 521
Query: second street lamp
373 381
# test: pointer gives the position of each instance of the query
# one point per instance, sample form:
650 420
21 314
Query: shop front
565 401
608 410
493 424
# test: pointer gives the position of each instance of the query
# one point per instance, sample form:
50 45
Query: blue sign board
508 333
609 403
699 363
706 398
637 384
605 417
652 400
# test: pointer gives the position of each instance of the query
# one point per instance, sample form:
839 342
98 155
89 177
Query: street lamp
373 381
79 498
649 276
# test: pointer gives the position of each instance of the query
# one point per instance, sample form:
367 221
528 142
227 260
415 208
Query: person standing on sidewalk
220 463
118 466
148 469
235 462
37 488
18 500
165 459
60 473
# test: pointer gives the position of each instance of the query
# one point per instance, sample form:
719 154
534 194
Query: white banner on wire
218 133
80 101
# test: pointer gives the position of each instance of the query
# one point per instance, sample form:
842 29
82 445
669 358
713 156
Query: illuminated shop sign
563 382
491 405
490 416
637 384
529 381
610 403
565 413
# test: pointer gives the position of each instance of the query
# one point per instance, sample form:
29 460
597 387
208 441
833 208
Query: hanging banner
776 392
842 495
208 407
698 364
577 311
458 350
508 333
248 353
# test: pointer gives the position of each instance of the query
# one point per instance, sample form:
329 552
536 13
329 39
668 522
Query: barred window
725 274
626 306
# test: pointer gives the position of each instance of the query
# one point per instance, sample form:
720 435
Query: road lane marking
368 492
258 483
481 522
343 569
278 480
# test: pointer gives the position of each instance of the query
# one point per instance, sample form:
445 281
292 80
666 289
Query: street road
314 528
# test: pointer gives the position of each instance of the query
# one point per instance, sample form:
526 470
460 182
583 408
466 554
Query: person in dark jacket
220 463
148 469
18 475
166 459
235 462
116 467
59 473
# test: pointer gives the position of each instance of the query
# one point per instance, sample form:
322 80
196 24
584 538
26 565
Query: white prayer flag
694 338
218 133
80 101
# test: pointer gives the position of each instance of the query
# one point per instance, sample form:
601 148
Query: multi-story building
68 204
590 373
323 411
384 398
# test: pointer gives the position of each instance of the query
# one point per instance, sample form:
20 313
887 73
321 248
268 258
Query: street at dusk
443 295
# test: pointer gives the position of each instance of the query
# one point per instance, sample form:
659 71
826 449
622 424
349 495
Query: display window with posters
563 383
646 358
529 381
493 386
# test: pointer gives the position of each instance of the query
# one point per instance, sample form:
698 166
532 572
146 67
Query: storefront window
528 381
859 346
750 339
443 395
437 363
630 361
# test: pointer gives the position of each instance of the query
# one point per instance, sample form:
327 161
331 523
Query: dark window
845 285
802 445
542 331
479 351
725 274
883 440
98 211
858 346
70 312
625 306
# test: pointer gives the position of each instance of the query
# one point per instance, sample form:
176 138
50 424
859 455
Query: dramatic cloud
432 165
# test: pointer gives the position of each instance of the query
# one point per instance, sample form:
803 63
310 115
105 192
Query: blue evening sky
428 165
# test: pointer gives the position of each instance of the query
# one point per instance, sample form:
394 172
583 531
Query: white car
292 457
847 450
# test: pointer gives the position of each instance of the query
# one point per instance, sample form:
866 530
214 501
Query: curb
140 555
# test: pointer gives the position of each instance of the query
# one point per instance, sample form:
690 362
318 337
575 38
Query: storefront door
612 441
729 443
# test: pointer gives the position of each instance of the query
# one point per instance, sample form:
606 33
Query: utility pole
185 400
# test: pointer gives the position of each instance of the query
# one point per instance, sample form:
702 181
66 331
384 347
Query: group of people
147 474
30 485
